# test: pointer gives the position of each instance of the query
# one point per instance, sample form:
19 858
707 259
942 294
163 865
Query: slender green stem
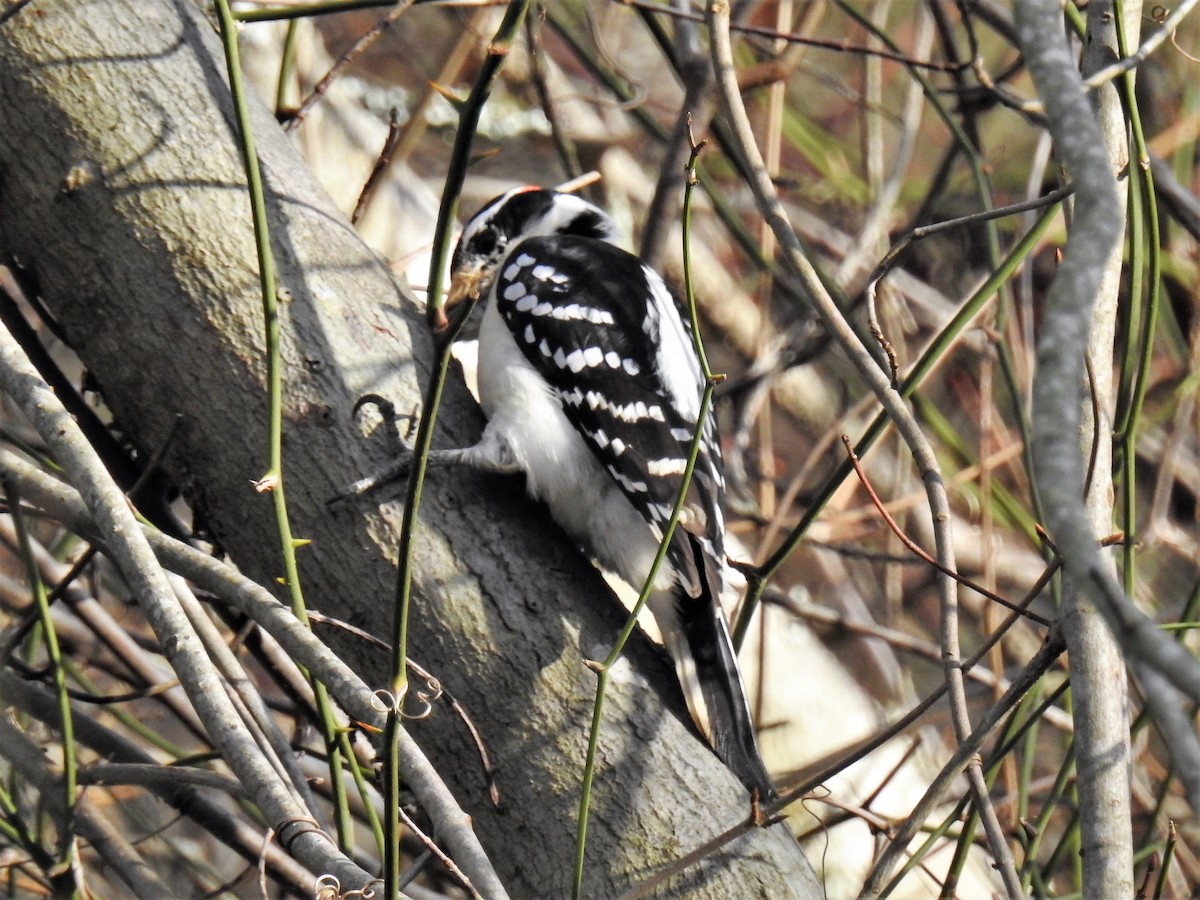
61 873
287 64
602 669
936 834
1135 265
272 480
360 783
1008 374
472 108
455 176
456 172
689 290
391 793
1050 805
129 720
589 777
13 827
1136 372
962 848
1168 858
1028 755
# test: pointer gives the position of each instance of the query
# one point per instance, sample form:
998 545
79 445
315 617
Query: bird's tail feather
700 644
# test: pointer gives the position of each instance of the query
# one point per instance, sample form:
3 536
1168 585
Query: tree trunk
122 192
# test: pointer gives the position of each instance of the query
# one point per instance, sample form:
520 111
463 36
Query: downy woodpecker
591 386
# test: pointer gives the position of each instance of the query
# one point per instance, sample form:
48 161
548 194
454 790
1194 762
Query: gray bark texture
122 192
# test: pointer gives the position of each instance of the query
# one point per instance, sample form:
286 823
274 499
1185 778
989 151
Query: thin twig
61 874
899 639
919 551
1067 317
210 815
364 43
272 480
602 669
485 759
879 218
472 109
450 821
962 758
104 837
381 164
923 231
842 46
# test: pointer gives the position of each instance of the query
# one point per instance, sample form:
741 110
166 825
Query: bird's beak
466 285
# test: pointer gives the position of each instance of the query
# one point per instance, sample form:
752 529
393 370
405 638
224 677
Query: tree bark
122 193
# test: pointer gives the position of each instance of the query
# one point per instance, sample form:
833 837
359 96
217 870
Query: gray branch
348 689
27 758
1090 269
1058 465
36 701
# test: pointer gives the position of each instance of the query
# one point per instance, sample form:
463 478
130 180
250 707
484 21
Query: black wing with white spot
603 330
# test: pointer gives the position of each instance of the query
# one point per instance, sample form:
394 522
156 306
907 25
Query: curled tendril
302 825
327 887
387 702
1175 44
1158 15
384 701
432 693
365 893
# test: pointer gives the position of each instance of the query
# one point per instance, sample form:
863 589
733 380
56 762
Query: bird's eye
485 242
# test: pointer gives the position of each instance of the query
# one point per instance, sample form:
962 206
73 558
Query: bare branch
132 554
452 824
1059 466
105 838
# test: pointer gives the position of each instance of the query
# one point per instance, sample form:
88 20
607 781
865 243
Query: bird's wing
605 333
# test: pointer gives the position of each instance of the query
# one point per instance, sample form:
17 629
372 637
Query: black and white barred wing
604 332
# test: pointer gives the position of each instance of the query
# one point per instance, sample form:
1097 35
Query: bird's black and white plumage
591 386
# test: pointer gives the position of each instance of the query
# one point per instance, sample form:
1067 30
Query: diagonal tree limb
351 692
149 266
233 830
